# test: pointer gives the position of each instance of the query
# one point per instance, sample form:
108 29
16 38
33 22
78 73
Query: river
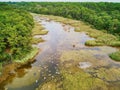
63 47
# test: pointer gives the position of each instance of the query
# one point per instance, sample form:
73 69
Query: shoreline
10 69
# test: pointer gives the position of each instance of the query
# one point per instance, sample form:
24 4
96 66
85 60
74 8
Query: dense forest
103 16
15 32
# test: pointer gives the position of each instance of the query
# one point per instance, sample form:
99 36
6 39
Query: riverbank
37 30
10 69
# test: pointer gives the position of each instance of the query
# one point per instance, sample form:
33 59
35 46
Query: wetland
65 62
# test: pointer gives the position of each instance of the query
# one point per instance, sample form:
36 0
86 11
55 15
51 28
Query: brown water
60 39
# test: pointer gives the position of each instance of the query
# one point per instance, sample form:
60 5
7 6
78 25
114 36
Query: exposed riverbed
65 61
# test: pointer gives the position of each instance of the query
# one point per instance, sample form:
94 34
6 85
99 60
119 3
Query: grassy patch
29 56
81 81
108 74
39 30
37 40
104 39
75 78
115 56
48 86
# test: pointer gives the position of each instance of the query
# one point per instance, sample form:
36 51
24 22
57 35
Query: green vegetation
37 40
107 74
103 16
115 56
28 56
15 33
104 39
81 80
38 30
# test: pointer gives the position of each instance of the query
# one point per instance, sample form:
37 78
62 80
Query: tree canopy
103 15
15 32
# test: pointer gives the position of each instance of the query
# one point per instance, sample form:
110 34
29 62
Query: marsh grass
29 56
51 85
39 30
115 56
37 40
103 39
109 74
77 79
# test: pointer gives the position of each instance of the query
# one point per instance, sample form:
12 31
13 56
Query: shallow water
60 40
